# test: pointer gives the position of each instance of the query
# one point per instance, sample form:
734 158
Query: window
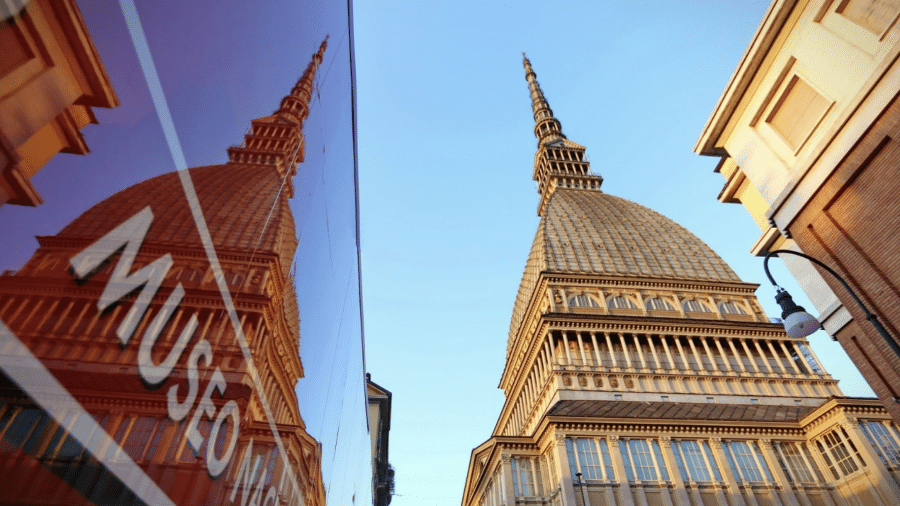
658 304
746 461
144 430
617 397
711 399
731 308
664 398
833 447
582 301
695 461
621 303
590 457
526 473
793 463
643 460
26 428
884 439
694 306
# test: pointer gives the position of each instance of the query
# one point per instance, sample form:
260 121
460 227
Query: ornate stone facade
640 370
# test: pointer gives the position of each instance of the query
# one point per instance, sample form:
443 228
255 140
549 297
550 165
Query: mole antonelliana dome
593 232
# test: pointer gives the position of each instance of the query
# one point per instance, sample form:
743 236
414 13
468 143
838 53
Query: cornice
655 428
836 406
662 325
653 283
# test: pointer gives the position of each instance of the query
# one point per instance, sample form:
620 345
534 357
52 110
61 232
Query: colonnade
685 354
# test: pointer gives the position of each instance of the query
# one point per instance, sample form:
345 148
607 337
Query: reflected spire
278 140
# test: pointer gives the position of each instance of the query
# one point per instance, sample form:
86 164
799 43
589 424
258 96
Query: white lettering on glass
129 234
128 237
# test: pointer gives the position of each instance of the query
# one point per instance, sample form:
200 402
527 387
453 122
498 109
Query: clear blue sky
446 150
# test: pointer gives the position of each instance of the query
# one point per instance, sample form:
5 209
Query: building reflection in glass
150 349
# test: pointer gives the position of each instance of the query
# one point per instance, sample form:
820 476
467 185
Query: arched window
621 303
731 308
696 307
582 301
658 304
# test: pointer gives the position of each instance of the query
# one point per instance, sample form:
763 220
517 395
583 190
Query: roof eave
709 142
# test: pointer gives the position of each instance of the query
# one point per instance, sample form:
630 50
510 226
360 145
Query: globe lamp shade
797 322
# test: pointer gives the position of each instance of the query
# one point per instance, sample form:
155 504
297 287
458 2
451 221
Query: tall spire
546 127
278 140
559 162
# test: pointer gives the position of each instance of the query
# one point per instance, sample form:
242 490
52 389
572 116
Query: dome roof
236 201
590 232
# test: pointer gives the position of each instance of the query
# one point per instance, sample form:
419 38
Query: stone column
787 492
625 496
777 358
567 490
612 352
696 354
509 493
790 359
681 495
596 349
684 356
653 352
581 348
709 354
625 351
734 491
552 348
762 354
668 352
885 482
724 355
737 356
640 351
750 356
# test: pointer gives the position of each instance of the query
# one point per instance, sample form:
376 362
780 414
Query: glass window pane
642 460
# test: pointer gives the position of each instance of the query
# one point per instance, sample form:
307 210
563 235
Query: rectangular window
585 458
746 461
885 441
526 472
693 461
643 460
796 466
840 455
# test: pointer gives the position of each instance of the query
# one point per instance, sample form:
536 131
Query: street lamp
581 486
799 323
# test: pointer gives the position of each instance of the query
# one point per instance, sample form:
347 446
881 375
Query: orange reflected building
50 77
152 357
